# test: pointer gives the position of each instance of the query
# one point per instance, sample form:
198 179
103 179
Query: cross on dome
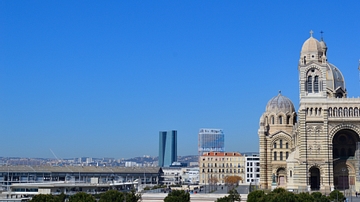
311 33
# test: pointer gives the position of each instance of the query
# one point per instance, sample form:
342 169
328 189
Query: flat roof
78 169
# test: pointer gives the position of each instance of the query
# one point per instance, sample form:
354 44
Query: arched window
309 84
290 173
280 143
280 119
316 84
288 120
281 156
272 119
274 156
287 145
274 144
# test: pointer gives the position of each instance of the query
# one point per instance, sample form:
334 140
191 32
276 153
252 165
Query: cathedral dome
280 103
311 45
334 78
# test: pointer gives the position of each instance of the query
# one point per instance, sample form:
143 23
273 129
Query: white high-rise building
211 140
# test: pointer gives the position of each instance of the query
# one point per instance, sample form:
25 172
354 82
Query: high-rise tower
210 140
167 147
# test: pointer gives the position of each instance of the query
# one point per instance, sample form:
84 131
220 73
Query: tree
45 198
82 197
336 196
132 196
230 181
213 181
177 196
233 196
256 196
112 195
319 197
305 197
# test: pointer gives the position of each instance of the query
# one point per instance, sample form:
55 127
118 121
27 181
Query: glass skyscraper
211 140
167 148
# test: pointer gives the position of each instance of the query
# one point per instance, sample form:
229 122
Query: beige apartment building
316 147
215 166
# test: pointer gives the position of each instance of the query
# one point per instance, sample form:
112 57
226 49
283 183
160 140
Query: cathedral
317 147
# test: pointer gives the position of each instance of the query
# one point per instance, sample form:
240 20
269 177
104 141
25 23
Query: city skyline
101 79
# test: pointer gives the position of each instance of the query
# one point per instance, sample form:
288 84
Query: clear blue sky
102 78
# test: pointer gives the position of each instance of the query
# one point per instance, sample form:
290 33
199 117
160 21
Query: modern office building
167 148
210 140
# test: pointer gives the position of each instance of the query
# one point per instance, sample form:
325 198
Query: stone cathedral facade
315 148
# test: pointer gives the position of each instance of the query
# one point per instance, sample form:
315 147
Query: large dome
280 103
311 45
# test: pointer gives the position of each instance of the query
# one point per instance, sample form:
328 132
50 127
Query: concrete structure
318 147
210 140
167 148
16 179
215 166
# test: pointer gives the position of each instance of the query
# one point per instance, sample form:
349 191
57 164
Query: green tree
256 196
280 195
132 196
82 197
112 195
336 196
62 197
305 197
319 197
177 196
45 198
233 196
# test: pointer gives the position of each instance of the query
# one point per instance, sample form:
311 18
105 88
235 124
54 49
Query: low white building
252 168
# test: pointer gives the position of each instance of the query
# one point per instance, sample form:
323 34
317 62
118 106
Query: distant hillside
149 159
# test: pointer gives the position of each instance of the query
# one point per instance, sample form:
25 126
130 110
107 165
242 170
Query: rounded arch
314 177
343 126
282 136
311 67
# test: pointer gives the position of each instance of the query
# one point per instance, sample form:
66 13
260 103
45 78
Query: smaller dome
280 103
323 44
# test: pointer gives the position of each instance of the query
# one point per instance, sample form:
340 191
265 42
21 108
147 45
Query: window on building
287 155
272 119
274 144
274 156
287 145
288 120
290 173
281 156
280 143
309 84
316 84
280 119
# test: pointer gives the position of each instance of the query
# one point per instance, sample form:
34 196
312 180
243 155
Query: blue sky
102 78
